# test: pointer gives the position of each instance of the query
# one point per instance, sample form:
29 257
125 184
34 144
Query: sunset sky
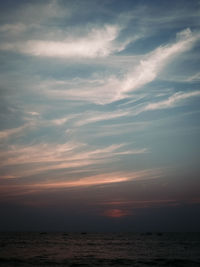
100 115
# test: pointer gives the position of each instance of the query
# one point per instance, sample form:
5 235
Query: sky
99 115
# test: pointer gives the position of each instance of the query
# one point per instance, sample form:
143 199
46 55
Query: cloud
17 154
113 89
171 101
38 13
88 181
149 68
102 91
122 128
13 28
14 131
100 116
33 113
194 78
46 157
102 179
98 43
63 120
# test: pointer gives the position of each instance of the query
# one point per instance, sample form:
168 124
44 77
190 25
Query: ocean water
110 249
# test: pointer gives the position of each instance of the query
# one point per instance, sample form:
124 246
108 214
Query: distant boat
83 233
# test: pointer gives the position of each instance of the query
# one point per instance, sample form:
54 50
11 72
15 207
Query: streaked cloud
45 157
38 12
13 28
103 179
15 131
147 70
171 101
100 116
98 43
150 67
194 78
88 181
120 128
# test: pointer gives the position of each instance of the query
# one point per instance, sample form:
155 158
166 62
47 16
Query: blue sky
99 114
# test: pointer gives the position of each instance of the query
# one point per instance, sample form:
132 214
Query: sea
99 249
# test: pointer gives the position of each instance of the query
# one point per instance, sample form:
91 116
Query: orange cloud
87 181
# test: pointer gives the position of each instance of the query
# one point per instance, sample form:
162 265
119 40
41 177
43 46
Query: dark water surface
126 249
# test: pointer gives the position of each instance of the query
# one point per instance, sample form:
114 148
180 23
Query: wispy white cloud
149 68
40 12
98 43
63 120
36 153
99 91
13 28
194 78
114 129
113 88
33 113
94 117
14 131
171 101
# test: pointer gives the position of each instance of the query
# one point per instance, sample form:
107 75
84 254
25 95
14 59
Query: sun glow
115 213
